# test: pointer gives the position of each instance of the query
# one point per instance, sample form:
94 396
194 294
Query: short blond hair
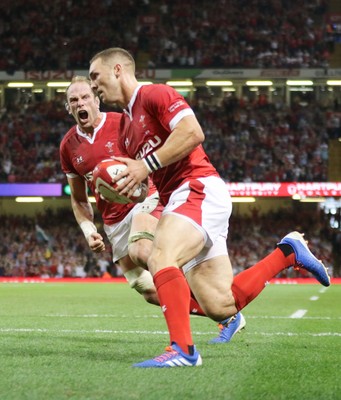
75 79
79 78
108 55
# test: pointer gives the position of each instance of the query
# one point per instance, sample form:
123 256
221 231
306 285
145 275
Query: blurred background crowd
40 35
52 245
244 140
248 140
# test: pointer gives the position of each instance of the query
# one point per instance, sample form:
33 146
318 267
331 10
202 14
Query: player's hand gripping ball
103 175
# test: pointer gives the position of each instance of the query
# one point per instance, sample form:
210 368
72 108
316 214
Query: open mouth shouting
83 116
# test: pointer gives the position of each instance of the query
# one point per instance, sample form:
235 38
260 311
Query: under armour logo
164 308
79 159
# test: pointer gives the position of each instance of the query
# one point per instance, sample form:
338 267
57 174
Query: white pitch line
146 316
298 314
279 317
319 334
314 298
106 331
100 316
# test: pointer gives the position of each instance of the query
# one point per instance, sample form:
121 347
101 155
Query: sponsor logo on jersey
79 160
176 105
148 147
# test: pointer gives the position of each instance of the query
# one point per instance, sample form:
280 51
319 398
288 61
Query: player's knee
142 281
219 307
151 297
155 260
139 247
139 252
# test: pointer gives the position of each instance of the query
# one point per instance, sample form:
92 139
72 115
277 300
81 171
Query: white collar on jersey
92 138
129 109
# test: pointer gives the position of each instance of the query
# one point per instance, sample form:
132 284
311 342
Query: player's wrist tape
88 228
152 162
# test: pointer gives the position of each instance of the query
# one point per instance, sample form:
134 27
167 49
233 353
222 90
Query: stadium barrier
275 281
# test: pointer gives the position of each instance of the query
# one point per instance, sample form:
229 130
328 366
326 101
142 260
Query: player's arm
84 213
184 138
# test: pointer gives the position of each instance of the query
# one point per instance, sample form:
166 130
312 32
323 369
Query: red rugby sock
174 296
248 284
194 307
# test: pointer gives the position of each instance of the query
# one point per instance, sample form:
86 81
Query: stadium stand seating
37 35
244 139
38 246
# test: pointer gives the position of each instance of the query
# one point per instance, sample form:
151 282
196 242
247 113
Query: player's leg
211 282
210 276
179 238
145 218
118 235
139 279
141 237
176 242
291 251
247 285
140 241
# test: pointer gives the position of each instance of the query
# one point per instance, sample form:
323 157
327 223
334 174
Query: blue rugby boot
305 258
229 328
173 357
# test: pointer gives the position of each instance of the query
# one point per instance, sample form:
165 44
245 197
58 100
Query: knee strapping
139 279
140 235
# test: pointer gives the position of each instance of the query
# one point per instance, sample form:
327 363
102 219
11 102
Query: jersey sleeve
65 162
167 105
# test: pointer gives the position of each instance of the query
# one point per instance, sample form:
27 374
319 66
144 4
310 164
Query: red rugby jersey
79 154
152 114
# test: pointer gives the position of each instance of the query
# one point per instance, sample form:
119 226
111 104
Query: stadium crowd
40 35
40 247
244 140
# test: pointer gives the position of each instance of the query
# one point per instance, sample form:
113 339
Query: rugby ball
103 175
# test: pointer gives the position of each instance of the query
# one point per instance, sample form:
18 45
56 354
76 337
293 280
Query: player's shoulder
69 134
156 88
114 116
159 94
112 125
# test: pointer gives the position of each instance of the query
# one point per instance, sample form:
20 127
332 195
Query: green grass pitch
78 341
